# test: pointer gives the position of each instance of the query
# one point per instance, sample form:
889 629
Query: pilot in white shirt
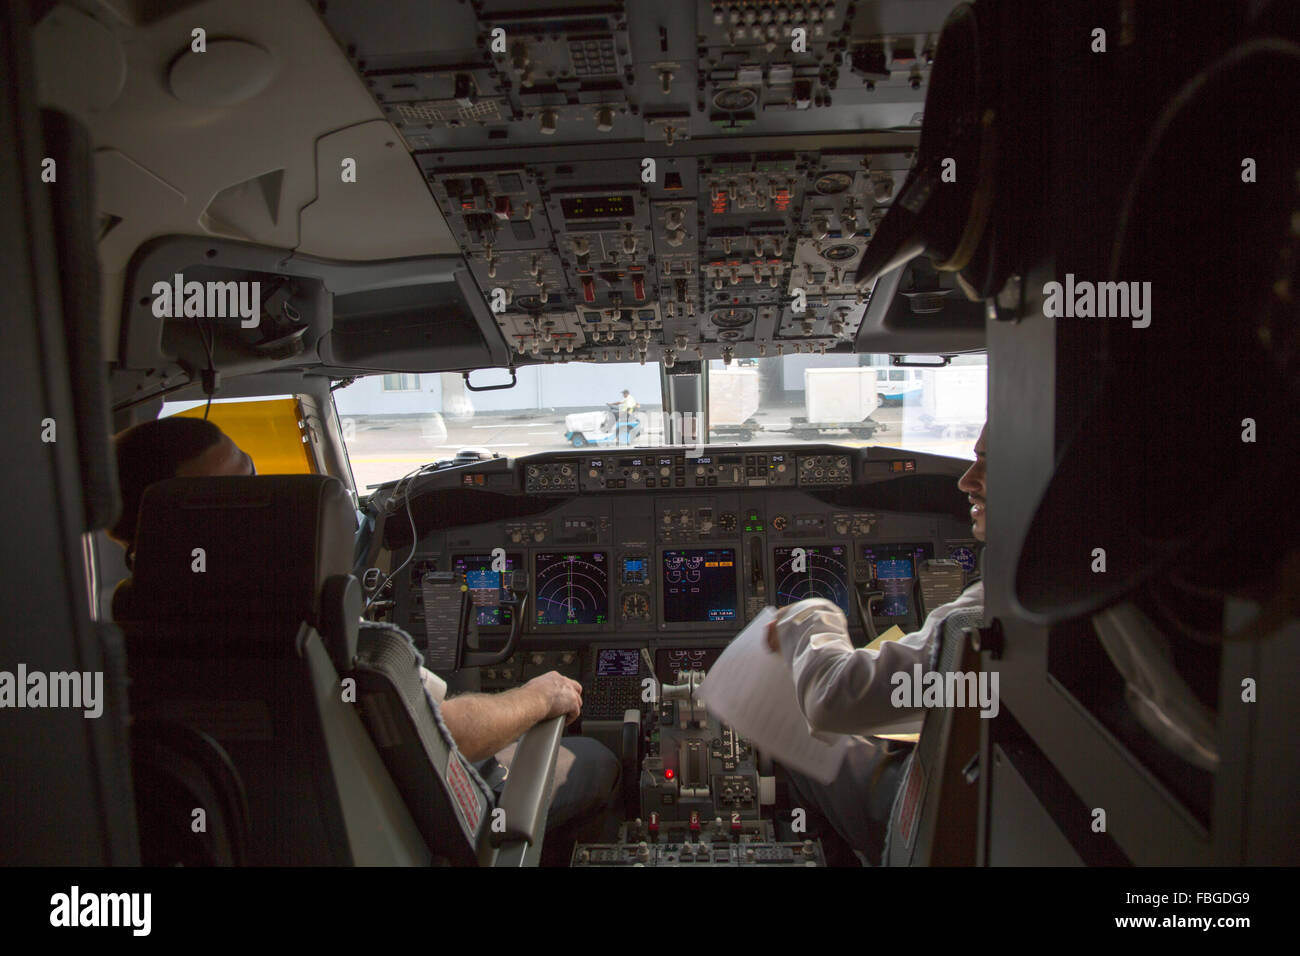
847 690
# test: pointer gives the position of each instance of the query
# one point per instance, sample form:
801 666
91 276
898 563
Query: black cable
415 538
209 382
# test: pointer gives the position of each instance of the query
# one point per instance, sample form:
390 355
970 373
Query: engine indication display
699 585
572 588
807 572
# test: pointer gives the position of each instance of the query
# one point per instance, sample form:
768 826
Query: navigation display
618 662
572 588
487 590
807 572
699 585
893 569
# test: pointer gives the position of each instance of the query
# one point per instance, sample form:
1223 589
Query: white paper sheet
751 688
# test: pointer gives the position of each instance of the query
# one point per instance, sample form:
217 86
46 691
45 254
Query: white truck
954 399
733 400
838 400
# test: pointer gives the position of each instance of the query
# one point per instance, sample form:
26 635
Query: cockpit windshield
396 422
853 400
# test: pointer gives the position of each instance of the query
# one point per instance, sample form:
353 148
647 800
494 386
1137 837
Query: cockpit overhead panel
657 182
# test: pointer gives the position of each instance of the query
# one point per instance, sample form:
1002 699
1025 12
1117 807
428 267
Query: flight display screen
807 572
699 585
487 588
636 570
572 588
618 662
893 570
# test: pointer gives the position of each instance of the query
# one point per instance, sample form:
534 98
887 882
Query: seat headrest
248 548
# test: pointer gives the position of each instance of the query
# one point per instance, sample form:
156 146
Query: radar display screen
699 585
819 571
487 590
893 570
572 588
670 661
618 662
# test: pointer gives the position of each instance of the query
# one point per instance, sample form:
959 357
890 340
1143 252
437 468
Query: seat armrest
527 795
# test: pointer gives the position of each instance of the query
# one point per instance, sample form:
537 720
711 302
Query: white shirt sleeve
435 685
847 690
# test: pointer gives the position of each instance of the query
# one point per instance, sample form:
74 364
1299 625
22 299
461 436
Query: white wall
574 385
366 396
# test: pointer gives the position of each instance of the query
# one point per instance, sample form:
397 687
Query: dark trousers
586 774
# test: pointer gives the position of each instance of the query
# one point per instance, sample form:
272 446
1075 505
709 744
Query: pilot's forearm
482 724
841 689
847 690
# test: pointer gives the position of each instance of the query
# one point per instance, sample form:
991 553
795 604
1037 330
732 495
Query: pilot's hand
828 614
561 695
773 637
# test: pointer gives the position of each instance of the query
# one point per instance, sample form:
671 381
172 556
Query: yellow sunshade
267 429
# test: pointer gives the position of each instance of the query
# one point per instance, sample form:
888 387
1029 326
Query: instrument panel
718 537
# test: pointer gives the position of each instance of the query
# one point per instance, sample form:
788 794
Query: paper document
751 688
